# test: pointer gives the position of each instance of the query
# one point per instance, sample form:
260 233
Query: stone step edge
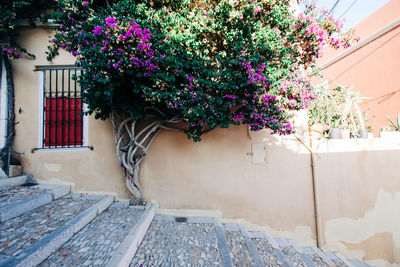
304 256
323 256
26 205
307 259
277 249
278 253
346 261
128 247
251 247
186 219
337 256
14 181
51 242
223 247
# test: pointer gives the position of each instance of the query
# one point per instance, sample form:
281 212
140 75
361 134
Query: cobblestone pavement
339 263
238 248
292 256
267 252
95 244
21 232
317 260
17 193
169 243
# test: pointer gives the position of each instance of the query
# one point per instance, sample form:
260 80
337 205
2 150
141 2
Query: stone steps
172 241
96 243
17 200
28 239
193 241
44 226
268 250
6 182
241 253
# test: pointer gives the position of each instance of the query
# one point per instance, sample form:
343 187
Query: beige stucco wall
218 174
359 185
86 170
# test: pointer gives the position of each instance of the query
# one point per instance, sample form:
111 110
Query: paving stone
317 260
267 252
95 244
17 193
169 243
290 252
238 248
21 232
338 262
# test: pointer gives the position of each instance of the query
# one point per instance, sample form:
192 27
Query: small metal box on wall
259 153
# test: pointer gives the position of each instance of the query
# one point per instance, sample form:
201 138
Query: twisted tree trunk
133 139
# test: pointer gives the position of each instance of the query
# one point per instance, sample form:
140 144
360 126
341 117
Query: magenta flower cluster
125 45
6 50
266 109
319 32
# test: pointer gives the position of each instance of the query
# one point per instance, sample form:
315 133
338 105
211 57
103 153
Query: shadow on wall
221 175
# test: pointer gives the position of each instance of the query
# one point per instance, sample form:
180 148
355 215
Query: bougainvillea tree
190 66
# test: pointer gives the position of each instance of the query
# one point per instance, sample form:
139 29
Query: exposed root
133 140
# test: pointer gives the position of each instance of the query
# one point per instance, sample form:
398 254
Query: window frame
41 126
3 105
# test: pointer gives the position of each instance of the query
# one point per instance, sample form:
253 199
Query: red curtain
63 122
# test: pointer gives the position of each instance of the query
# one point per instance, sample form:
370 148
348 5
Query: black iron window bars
62 117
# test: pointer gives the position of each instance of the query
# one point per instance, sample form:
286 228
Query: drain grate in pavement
180 219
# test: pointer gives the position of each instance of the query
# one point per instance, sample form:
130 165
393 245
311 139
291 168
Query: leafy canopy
11 12
210 63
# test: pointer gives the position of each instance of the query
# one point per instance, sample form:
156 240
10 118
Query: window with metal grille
62 122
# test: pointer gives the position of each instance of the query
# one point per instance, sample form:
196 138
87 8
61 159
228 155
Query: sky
358 11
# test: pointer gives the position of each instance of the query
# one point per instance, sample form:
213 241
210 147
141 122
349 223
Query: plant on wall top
395 125
337 108
191 66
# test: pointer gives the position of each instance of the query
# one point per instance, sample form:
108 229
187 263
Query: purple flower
229 96
111 22
97 30
85 3
128 34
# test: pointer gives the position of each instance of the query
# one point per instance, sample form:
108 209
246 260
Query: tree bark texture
133 140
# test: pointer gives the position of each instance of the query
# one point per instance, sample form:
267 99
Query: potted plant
323 115
334 130
339 109
351 113
393 131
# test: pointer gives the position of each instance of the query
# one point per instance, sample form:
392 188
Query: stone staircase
46 225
